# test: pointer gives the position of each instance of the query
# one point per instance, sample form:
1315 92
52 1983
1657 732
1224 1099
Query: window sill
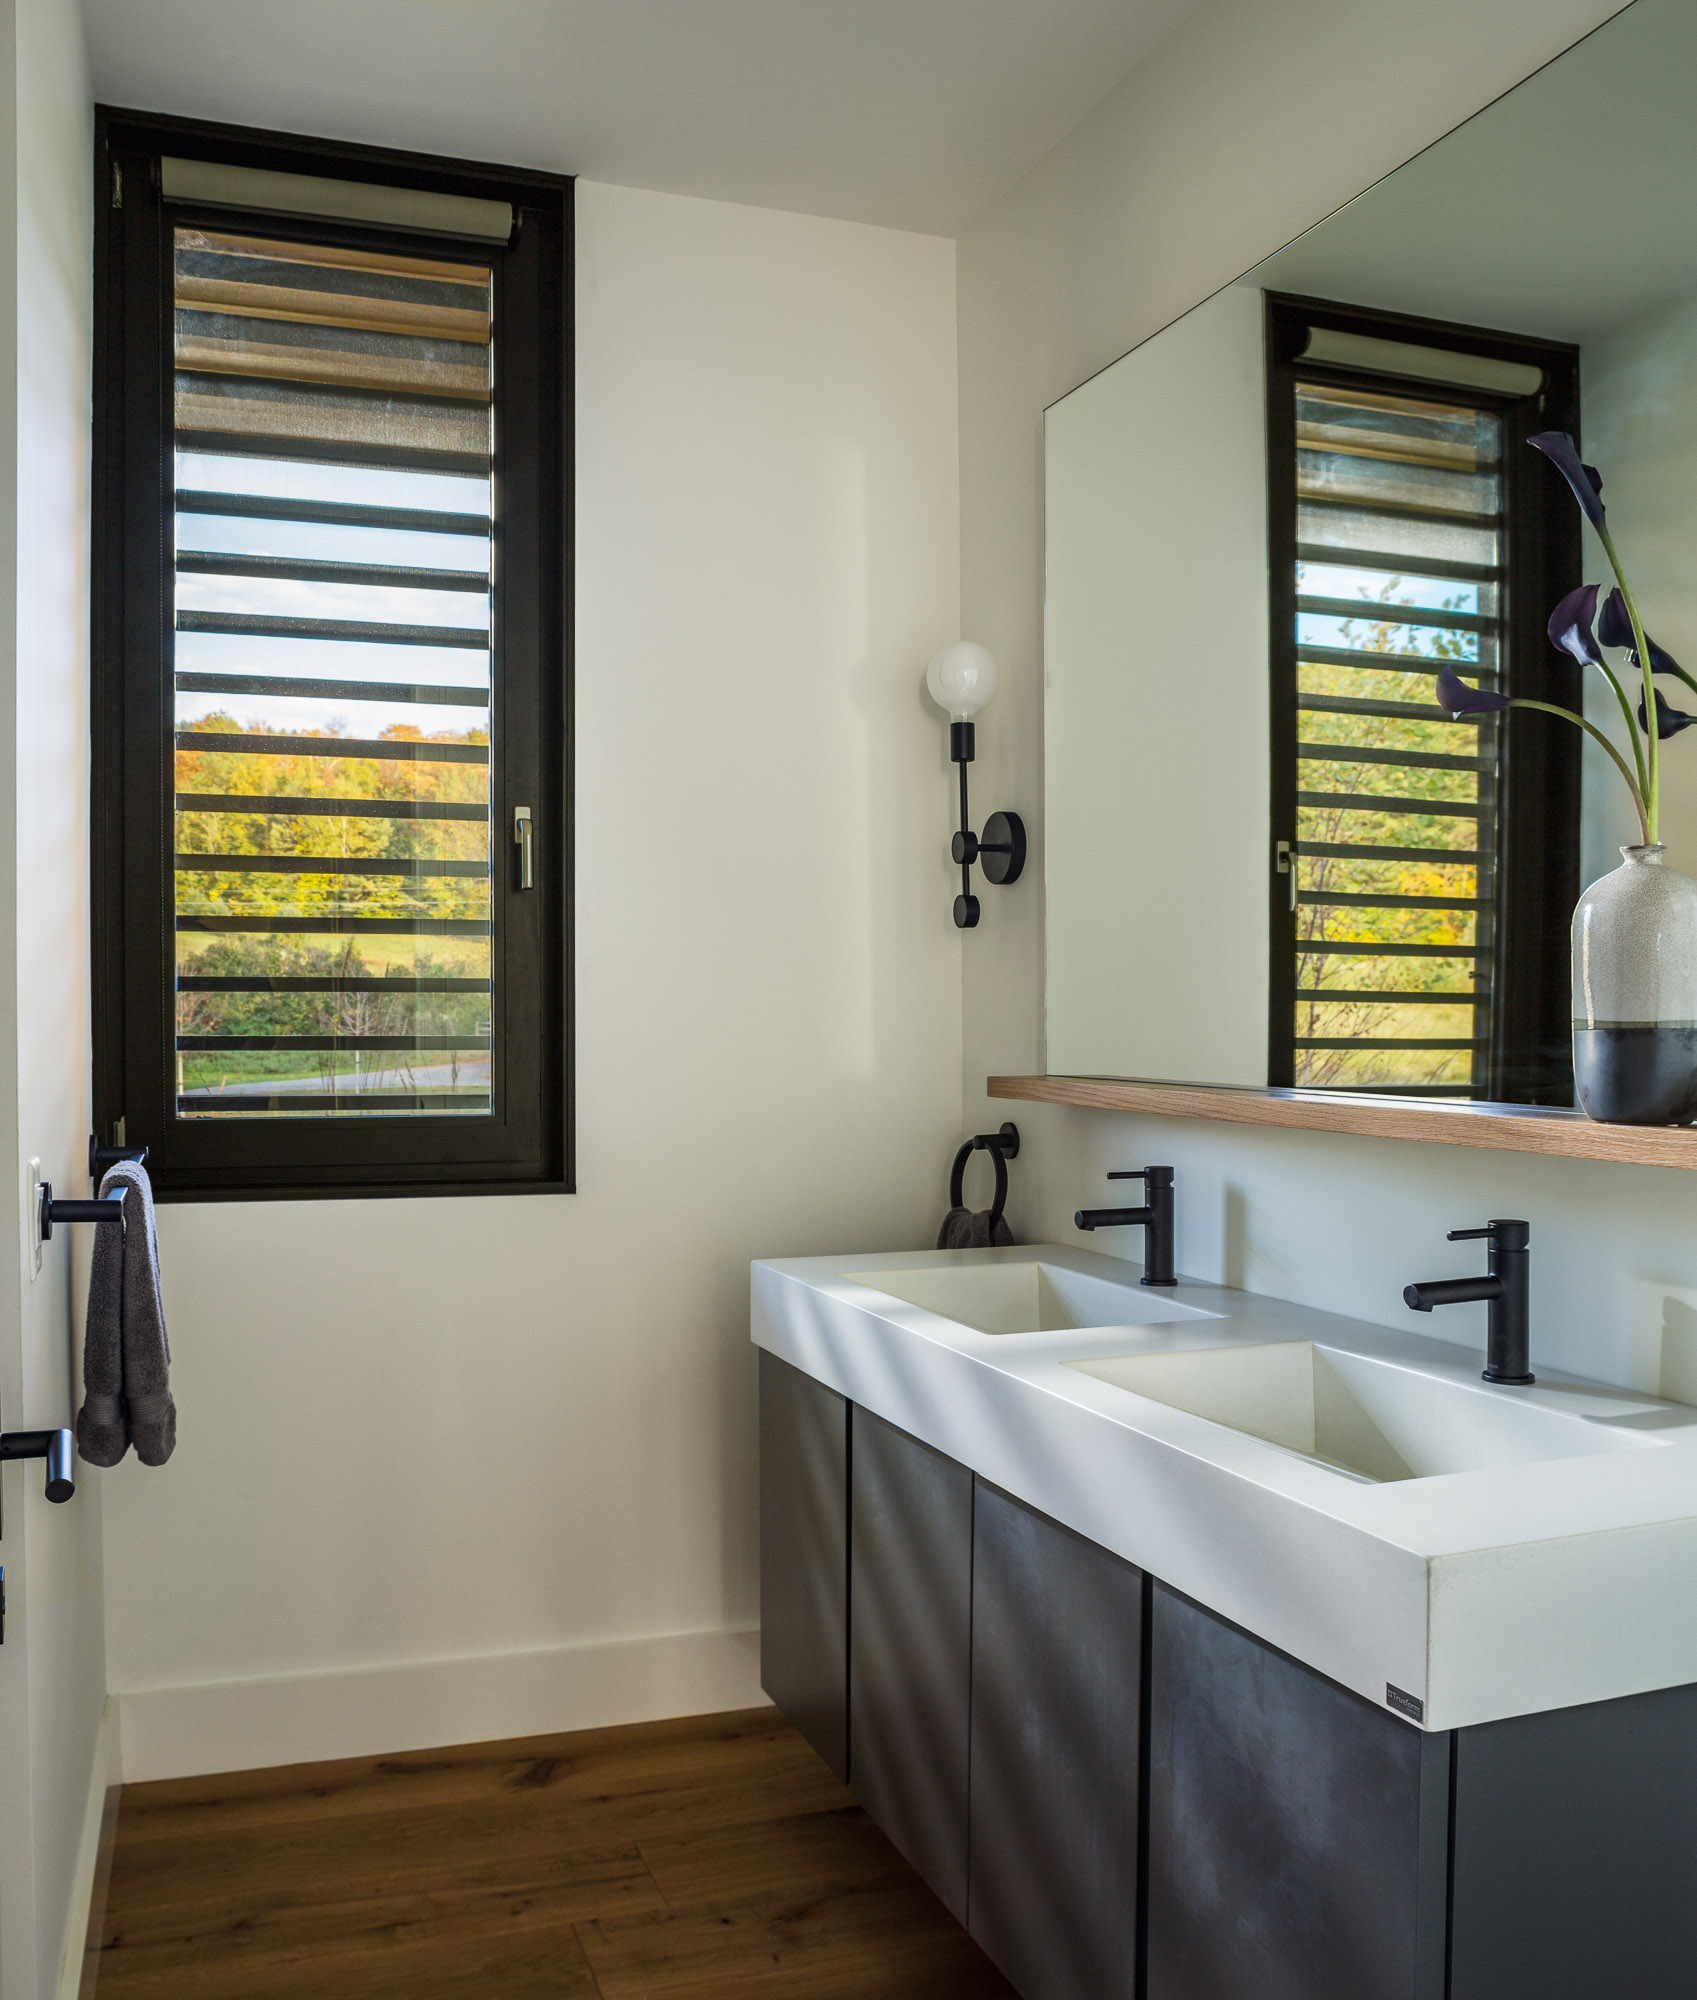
353 1190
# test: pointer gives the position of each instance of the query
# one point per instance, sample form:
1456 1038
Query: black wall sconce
961 679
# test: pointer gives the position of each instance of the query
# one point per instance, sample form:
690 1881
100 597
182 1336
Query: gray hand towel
964 1230
126 1352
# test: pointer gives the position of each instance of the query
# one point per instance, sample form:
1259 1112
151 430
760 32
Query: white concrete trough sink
1360 1415
1350 1493
1025 1296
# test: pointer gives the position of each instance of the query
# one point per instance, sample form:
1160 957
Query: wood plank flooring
687 1860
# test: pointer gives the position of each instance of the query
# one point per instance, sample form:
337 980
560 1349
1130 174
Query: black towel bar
105 1208
101 1157
54 1446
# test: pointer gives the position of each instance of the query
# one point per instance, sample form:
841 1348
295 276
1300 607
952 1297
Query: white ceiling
912 113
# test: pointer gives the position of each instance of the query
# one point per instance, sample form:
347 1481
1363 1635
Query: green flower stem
1630 720
1653 785
1619 762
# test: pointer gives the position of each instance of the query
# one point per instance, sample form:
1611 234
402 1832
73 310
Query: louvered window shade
218 184
332 554
332 681
1399 568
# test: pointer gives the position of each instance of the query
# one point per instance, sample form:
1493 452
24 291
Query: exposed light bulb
962 678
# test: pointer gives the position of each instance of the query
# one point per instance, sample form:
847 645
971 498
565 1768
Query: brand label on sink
1404 1703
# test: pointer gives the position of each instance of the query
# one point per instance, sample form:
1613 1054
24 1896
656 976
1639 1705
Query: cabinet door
1285 1827
804 1555
1057 1671
910 1647
1576 1853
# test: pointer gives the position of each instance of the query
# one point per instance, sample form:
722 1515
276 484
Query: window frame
527 1145
1528 1059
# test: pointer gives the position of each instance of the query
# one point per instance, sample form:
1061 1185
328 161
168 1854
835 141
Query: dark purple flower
1570 625
1461 700
1614 628
1586 480
1669 721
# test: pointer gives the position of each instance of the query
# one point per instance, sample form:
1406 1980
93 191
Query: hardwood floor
686 1860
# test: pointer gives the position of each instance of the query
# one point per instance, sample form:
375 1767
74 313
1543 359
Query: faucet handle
1505 1232
1155 1176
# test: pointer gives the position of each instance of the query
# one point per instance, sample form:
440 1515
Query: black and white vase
1635 994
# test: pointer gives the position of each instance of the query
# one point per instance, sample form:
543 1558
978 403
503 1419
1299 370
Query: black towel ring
1002 1146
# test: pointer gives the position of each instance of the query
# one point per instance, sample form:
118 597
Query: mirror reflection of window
1398 570
1406 534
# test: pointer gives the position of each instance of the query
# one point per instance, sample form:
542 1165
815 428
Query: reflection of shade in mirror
1383 481
1405 535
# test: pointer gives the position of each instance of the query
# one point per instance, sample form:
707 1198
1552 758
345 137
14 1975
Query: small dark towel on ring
126 1352
964 1230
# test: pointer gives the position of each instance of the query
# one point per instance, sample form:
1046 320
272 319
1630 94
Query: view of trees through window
357 995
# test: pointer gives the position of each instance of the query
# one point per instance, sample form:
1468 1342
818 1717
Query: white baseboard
94 1859
184 1732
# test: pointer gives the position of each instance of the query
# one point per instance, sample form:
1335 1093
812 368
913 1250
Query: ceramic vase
1635 994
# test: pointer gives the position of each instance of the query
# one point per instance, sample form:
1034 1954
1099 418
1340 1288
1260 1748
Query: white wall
1197 167
1155 663
438 1455
51 1668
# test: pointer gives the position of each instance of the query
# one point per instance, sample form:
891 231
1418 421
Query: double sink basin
1353 1494
1357 1414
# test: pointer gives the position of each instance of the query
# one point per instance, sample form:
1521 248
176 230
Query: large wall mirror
1272 859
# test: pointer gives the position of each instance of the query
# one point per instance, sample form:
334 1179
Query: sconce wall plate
1001 851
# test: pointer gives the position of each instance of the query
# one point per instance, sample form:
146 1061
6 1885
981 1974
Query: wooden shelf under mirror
1505 1128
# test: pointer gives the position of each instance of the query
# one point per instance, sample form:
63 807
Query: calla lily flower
1669 721
1614 628
1570 626
1462 701
1570 629
1616 625
1586 480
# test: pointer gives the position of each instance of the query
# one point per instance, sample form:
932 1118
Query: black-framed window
331 687
1423 873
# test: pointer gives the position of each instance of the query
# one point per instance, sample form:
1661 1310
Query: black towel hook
1002 1146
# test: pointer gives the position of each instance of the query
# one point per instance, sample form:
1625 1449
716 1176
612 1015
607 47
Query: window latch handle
521 837
1284 861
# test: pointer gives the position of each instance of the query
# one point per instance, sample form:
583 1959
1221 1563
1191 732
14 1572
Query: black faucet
1507 1347
1156 1217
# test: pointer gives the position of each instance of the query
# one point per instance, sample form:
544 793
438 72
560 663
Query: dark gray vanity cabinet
1297 1834
910 1647
1307 1845
1575 1874
1084 1764
1057 1680
804 1579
